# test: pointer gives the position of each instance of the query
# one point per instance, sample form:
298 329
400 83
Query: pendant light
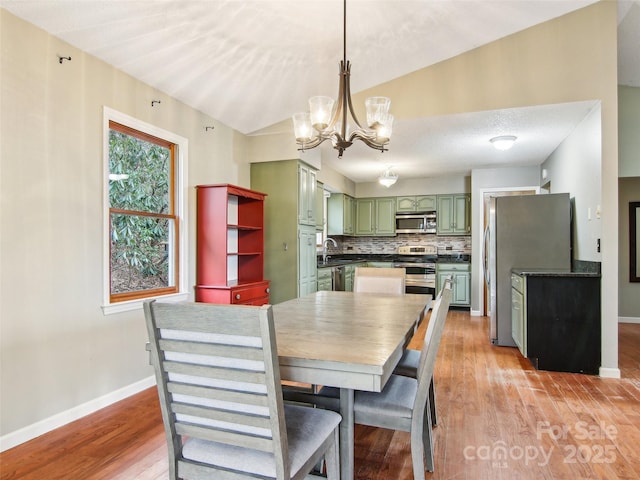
326 121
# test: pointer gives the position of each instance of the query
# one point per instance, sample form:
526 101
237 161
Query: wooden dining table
348 340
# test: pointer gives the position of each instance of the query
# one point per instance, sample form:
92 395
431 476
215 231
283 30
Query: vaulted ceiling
251 64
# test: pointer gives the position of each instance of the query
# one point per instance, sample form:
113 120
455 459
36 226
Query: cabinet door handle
237 296
267 289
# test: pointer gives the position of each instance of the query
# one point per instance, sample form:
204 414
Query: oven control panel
417 250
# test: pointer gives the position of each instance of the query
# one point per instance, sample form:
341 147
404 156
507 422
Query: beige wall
60 355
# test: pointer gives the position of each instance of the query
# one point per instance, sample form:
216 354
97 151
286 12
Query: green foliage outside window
140 199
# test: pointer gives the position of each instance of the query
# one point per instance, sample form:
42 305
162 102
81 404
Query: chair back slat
229 351
220 415
220 373
221 394
227 437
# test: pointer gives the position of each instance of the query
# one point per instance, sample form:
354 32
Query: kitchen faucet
324 248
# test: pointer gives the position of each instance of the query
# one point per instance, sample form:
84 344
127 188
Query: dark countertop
347 259
454 258
545 272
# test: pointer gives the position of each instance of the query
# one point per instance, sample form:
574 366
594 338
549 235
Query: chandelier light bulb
321 109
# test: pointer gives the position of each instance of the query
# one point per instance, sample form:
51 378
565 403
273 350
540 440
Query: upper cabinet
307 187
423 203
453 214
376 216
340 214
320 213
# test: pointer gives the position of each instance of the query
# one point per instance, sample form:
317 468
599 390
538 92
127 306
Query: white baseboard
628 319
475 313
609 372
30 432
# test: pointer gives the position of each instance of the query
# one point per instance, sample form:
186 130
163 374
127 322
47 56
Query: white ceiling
251 64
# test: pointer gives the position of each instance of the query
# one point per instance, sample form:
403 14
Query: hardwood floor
498 418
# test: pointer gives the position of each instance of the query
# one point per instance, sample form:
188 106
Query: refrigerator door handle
485 253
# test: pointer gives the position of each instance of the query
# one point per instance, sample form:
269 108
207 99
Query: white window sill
130 305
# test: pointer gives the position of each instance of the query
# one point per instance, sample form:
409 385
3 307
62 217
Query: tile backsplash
389 245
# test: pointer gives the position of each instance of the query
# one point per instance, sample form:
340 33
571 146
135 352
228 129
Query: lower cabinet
518 303
307 260
349 272
461 273
325 281
556 320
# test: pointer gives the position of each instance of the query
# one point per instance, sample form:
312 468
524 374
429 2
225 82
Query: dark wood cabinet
559 325
230 246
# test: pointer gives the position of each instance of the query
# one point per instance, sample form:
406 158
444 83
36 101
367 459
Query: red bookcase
230 246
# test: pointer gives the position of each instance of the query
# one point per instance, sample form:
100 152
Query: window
144 217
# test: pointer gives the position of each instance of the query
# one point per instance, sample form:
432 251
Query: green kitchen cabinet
376 216
325 279
461 274
307 260
319 210
340 214
422 203
287 258
349 273
454 214
307 187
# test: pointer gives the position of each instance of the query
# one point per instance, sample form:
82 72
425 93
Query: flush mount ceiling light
504 142
325 122
388 178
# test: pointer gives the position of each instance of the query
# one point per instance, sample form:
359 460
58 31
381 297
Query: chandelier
324 122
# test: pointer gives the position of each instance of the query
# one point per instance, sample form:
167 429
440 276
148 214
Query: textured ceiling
251 64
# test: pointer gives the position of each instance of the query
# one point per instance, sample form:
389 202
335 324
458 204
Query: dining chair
219 386
379 280
403 403
408 364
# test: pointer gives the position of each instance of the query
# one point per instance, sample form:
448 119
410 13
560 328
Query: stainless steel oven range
419 262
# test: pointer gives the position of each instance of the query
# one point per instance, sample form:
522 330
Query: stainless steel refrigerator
524 231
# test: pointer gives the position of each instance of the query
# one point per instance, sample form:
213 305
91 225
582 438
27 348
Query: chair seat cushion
307 429
396 399
408 364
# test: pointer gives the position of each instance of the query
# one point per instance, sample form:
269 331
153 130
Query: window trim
181 211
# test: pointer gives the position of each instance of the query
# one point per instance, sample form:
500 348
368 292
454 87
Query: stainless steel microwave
416 222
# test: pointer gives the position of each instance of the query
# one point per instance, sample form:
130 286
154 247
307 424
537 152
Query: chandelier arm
369 142
340 105
348 97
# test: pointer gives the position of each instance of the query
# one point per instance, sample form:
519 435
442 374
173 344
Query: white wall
628 128
61 357
575 167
